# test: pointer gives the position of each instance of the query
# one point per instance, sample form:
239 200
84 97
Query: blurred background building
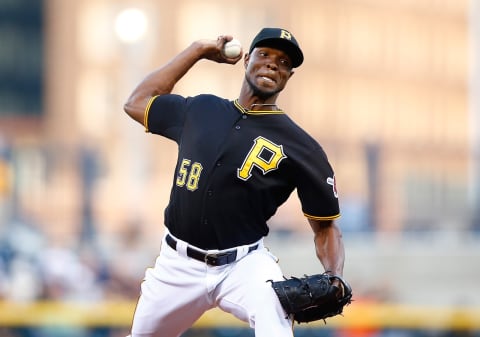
389 88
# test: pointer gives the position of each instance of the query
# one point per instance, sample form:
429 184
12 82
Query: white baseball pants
179 289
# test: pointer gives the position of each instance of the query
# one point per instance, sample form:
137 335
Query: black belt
212 259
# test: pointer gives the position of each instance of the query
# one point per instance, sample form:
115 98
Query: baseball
232 48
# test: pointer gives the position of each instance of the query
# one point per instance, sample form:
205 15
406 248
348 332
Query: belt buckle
212 259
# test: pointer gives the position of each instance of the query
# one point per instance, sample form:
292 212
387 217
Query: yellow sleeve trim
322 217
145 114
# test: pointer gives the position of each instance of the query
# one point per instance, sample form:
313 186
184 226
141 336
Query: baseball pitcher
238 161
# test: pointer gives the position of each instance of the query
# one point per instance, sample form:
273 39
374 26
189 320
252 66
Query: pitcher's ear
245 59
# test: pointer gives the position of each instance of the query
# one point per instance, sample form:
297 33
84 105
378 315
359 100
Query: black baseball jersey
235 168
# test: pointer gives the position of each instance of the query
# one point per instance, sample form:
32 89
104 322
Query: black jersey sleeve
316 187
165 115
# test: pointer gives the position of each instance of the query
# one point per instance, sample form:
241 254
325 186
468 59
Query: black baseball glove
314 297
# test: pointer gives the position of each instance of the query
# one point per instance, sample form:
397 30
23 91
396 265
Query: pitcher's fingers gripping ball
232 49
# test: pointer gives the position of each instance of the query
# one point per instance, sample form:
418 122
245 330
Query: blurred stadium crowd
32 269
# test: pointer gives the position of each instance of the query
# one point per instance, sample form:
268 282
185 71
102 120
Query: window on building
21 57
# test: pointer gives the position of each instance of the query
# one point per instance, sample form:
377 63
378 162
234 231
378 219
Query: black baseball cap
280 39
